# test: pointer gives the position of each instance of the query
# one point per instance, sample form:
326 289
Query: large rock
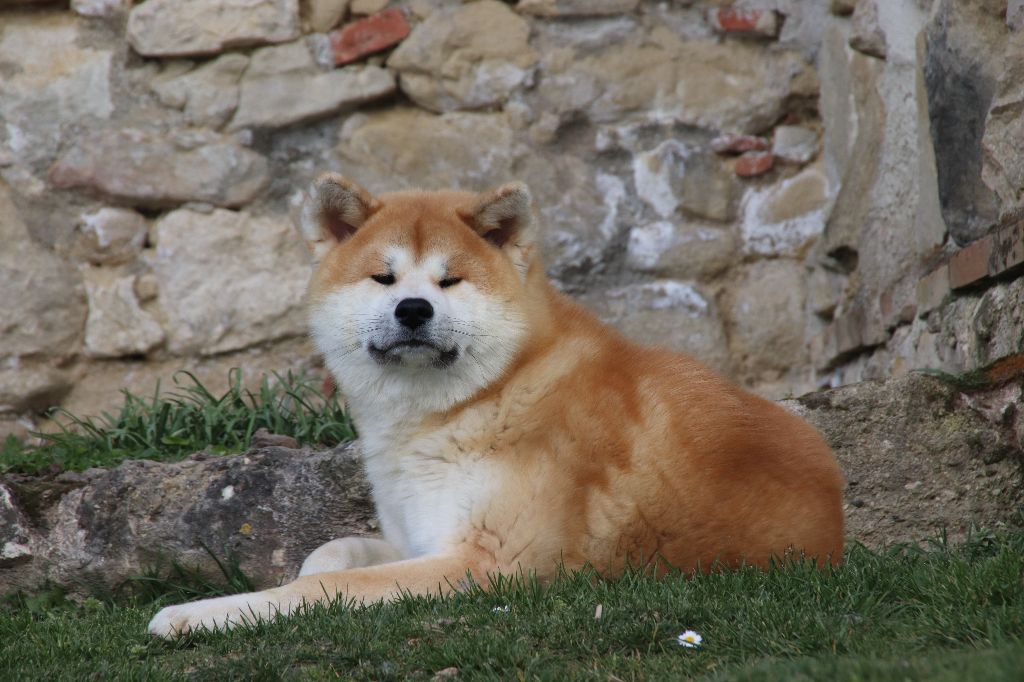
170 28
734 88
44 303
1002 163
147 169
49 80
675 176
228 280
921 457
207 94
14 532
268 508
786 219
283 86
109 235
117 325
468 57
683 250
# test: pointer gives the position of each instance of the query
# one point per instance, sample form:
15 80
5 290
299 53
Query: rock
753 164
1002 165
667 313
150 170
785 219
228 280
107 236
167 28
98 528
736 87
320 16
685 251
406 147
1015 14
737 144
842 7
920 431
293 89
44 304
100 8
745 22
367 36
14 533
208 94
795 144
467 57
868 36
116 325
673 175
30 386
575 8
50 80
365 7
765 313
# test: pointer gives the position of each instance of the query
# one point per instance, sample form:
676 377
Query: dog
504 429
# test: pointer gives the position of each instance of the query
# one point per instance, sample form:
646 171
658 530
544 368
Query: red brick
366 36
1007 249
970 263
747 22
752 164
737 144
932 290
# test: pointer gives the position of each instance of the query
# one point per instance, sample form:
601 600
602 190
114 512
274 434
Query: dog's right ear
334 209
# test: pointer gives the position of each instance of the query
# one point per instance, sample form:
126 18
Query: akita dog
505 429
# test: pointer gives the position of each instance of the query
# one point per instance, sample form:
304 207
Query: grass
901 614
171 426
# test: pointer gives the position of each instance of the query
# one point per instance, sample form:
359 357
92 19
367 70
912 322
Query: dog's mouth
414 352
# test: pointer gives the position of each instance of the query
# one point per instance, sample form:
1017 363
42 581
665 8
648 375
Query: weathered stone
145 169
932 289
765 313
667 313
44 306
47 80
369 35
209 94
753 164
404 148
745 22
673 176
467 57
963 62
735 87
295 90
117 325
368 6
31 386
110 235
168 28
216 303
919 456
575 8
14 532
101 8
686 251
868 36
842 7
1002 163
98 528
320 16
1015 14
785 219
795 144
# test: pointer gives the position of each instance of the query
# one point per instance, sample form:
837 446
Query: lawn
906 613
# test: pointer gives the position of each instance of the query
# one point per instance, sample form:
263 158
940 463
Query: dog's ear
503 217
334 209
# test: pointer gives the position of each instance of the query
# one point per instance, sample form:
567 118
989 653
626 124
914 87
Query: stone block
795 144
117 325
369 36
786 218
970 264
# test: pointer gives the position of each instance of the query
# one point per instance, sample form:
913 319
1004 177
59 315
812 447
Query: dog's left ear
334 208
503 217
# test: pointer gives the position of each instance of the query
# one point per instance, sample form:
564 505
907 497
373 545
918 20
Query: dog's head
418 296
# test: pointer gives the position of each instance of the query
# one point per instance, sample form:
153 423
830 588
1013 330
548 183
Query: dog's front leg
424 575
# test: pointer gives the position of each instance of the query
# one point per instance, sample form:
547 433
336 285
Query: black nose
413 312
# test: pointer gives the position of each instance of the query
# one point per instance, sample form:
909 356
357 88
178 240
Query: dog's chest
427 491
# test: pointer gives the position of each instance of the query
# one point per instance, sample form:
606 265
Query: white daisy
690 639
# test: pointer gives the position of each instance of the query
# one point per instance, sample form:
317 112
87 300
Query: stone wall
792 190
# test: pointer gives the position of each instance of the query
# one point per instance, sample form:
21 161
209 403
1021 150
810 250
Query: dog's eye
387 280
449 282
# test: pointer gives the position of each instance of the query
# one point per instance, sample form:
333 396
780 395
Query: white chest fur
427 492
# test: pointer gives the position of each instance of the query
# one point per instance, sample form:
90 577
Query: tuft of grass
908 613
171 426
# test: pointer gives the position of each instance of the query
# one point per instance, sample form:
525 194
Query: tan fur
597 450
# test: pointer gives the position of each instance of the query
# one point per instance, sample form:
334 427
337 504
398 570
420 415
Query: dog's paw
220 613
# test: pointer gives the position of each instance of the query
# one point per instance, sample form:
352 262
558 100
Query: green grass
901 614
172 425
